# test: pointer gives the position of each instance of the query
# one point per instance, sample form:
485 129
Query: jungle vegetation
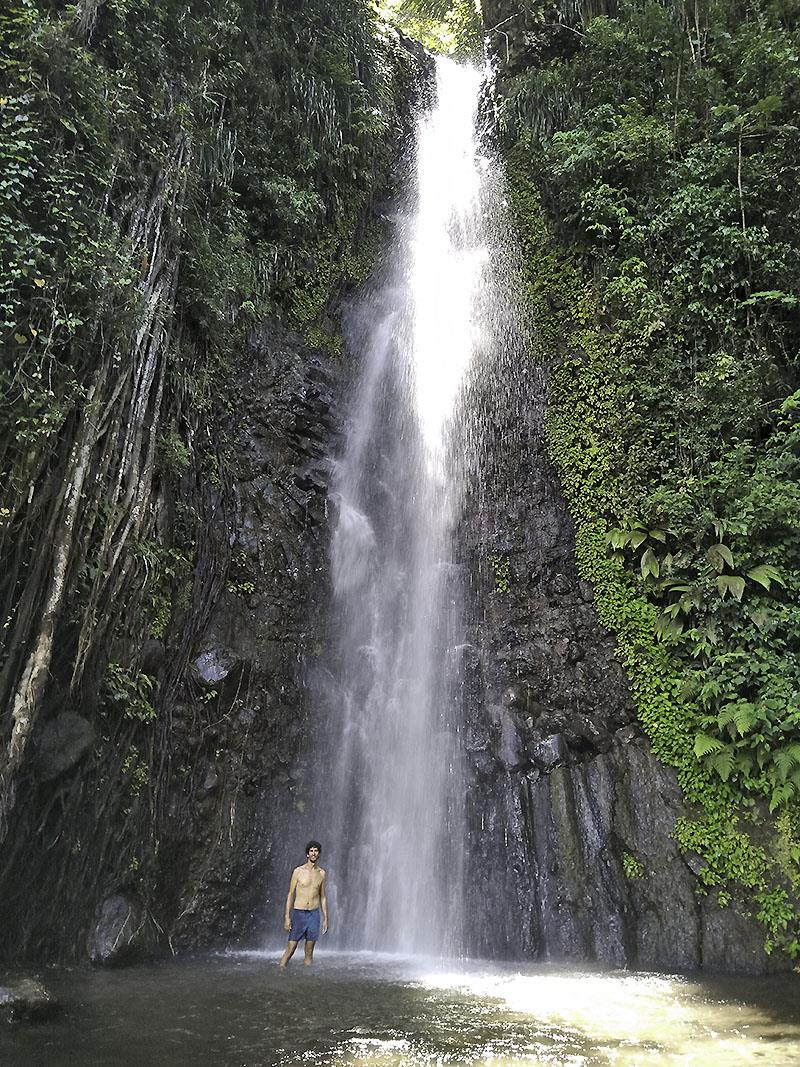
655 145
449 27
171 174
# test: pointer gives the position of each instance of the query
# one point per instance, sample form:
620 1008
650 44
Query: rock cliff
571 854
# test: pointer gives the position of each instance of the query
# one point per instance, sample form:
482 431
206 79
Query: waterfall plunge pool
238 1010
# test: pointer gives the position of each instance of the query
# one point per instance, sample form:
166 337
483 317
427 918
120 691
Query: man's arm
287 916
323 903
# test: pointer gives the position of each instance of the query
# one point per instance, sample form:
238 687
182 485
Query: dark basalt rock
122 932
571 817
550 752
64 741
153 656
213 665
205 798
25 999
241 742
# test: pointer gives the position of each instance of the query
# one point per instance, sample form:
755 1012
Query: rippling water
364 1009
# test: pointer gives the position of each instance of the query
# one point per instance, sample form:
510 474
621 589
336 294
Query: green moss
501 572
586 426
631 866
343 258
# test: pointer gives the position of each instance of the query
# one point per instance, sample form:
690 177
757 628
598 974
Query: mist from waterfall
392 808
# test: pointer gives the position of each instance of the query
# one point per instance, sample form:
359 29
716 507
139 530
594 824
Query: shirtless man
305 901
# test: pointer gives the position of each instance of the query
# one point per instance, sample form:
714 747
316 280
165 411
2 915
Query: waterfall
391 807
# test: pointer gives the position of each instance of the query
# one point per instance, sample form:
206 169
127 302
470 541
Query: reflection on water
382 1011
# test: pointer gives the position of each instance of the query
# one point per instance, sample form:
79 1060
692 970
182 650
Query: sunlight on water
637 1019
380 1010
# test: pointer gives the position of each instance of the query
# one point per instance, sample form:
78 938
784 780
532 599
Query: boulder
553 750
64 741
121 932
213 665
25 999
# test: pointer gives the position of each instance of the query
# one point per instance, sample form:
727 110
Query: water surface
384 1011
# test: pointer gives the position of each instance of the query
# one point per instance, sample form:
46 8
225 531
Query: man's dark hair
313 844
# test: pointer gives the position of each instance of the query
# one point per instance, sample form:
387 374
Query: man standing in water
305 901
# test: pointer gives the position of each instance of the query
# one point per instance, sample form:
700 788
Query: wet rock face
64 741
570 815
240 728
122 932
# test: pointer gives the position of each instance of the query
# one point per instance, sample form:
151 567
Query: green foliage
501 572
172 175
167 573
631 866
452 27
174 454
702 659
129 692
138 775
279 146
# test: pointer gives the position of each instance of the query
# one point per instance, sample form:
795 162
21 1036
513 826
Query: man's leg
309 953
289 953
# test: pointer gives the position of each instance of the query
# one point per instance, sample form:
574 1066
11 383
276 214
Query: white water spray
446 252
393 804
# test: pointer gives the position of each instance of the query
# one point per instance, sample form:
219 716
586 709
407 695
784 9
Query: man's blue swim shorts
305 924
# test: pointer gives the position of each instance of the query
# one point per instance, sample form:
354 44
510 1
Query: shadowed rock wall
157 783
250 661
570 850
163 833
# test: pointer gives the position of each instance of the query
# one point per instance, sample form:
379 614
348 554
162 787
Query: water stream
392 805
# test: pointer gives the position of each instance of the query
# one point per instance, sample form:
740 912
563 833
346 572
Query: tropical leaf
765 575
668 629
649 564
718 555
760 617
711 689
744 763
730 583
704 743
785 759
741 714
745 716
722 762
780 794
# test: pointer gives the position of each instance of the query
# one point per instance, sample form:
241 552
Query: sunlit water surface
384 1011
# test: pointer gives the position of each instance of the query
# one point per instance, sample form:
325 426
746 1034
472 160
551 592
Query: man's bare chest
309 880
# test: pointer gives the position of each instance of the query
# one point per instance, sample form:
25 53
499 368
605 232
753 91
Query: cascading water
392 808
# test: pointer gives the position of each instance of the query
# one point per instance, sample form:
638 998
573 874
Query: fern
704 743
723 762
785 759
780 794
742 715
